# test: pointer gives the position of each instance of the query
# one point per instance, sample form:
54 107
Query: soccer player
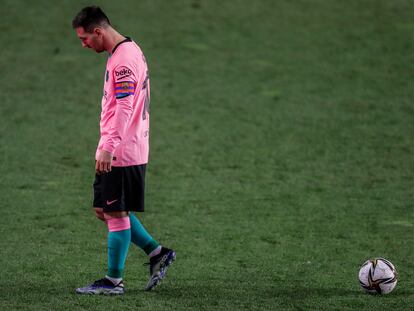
122 152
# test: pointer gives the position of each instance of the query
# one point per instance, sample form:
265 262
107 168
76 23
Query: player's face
92 40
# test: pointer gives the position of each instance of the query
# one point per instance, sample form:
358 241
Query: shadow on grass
196 291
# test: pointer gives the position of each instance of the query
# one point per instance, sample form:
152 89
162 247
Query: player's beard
98 46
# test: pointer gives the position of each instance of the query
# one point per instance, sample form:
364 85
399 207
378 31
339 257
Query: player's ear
97 31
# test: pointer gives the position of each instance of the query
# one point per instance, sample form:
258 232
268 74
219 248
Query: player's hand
104 162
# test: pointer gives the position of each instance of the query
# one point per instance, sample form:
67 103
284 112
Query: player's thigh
108 193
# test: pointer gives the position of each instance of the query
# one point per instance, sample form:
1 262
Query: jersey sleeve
124 88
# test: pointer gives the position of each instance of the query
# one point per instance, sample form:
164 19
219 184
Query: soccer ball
377 276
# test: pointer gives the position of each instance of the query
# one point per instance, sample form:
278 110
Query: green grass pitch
282 153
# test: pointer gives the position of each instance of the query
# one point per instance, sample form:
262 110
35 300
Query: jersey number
145 88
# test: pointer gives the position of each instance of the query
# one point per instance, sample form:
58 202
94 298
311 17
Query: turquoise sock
118 243
140 236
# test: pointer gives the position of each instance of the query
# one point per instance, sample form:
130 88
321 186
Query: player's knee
110 215
99 214
117 221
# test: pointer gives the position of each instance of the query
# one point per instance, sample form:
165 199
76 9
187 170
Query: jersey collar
127 39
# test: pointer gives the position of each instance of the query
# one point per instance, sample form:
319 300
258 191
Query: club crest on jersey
123 73
124 89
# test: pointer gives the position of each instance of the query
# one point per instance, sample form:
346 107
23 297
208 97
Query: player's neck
113 38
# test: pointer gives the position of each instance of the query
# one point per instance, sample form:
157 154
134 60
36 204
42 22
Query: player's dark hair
89 18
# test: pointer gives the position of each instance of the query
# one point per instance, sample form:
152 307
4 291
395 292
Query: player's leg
108 189
119 238
160 257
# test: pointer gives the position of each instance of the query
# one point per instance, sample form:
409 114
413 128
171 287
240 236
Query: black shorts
121 189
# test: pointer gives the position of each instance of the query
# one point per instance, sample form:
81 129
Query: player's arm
124 88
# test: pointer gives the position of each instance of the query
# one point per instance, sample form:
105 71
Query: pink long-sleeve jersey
124 124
